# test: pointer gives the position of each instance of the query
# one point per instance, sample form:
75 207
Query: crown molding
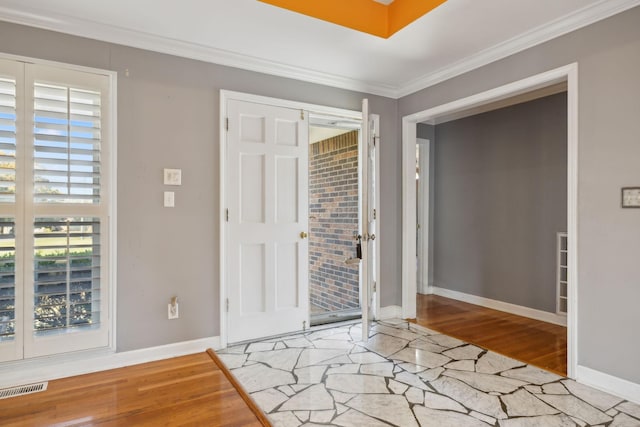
556 28
142 40
137 39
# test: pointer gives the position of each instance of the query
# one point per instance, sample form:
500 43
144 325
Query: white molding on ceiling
553 29
142 40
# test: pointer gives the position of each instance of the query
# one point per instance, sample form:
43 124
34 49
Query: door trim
225 96
424 262
569 74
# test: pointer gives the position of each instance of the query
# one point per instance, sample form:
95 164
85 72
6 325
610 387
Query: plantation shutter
7 195
67 211
66 145
7 140
67 273
7 279
11 283
55 206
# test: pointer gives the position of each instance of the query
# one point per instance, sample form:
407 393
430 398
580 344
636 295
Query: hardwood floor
537 343
188 390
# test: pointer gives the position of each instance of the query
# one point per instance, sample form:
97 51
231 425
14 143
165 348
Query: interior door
267 245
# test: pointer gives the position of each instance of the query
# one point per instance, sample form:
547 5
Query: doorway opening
486 101
264 214
334 219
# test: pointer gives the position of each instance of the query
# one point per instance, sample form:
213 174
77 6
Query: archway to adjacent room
411 244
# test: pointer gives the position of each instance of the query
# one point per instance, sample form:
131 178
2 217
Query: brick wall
333 220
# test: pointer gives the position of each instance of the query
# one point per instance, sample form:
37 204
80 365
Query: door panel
373 242
268 220
287 275
287 190
365 285
369 214
252 188
252 279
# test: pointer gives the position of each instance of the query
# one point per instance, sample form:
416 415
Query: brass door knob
303 235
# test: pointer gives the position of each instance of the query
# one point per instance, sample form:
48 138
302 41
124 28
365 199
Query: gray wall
608 54
168 113
500 192
608 57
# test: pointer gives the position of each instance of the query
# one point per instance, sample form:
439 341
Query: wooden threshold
530 341
260 415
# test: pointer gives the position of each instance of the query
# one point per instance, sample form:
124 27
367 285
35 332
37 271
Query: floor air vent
21 390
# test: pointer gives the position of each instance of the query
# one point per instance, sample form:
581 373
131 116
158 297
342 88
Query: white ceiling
456 37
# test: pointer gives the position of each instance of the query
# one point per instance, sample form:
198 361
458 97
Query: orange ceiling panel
367 16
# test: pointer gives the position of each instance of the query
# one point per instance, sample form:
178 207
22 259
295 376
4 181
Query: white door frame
423 215
226 95
569 74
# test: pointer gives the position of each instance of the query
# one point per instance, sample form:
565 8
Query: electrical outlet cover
172 311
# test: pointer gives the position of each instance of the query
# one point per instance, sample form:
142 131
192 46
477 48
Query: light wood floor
189 390
531 341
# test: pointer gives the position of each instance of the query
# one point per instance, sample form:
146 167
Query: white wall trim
423 215
61 366
519 310
568 73
609 383
559 27
155 43
138 39
390 312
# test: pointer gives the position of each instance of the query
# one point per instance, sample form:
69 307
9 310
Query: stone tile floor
407 375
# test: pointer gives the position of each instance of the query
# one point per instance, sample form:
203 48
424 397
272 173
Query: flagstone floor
407 375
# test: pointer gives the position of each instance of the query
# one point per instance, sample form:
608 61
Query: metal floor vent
21 390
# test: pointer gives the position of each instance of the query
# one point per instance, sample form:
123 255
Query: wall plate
631 197
173 177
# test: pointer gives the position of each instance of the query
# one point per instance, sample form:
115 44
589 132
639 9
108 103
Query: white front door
267 245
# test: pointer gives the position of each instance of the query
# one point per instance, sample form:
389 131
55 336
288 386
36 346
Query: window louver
7 140
67 273
67 145
7 279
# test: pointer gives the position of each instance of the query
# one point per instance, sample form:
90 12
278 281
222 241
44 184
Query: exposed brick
333 201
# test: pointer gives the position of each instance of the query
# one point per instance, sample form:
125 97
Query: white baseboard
519 310
390 312
61 366
609 383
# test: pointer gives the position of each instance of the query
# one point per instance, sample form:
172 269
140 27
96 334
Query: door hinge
301 114
227 305
374 214
375 286
226 124
227 215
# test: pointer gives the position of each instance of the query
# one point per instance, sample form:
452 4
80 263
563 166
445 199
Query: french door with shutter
54 210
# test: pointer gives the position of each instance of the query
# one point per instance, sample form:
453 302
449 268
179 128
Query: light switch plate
173 177
169 199
631 197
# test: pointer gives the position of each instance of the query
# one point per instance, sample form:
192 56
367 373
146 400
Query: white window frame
101 339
